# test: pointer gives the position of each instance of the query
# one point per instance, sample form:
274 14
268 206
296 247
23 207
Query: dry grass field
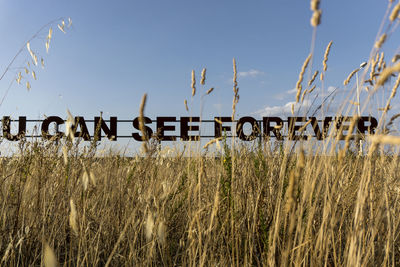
271 204
246 207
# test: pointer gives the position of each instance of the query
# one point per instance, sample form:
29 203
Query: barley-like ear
346 82
327 50
381 61
203 77
314 5
92 178
42 62
85 180
210 90
149 225
34 75
69 125
313 78
193 83
218 121
28 86
386 73
186 105
49 258
162 232
301 75
316 18
141 123
235 90
395 12
212 142
376 140
73 217
312 89
292 109
395 58
381 40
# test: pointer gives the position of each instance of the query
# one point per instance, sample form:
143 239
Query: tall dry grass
275 209
274 203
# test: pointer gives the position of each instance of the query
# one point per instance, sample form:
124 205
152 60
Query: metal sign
189 128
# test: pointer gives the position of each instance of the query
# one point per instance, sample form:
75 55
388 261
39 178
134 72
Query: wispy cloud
251 73
285 109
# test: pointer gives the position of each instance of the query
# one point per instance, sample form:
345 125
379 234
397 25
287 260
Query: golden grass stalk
193 84
301 75
381 61
316 18
186 105
209 90
327 50
304 126
85 180
92 178
386 73
149 225
235 90
346 82
141 123
395 58
69 125
314 5
376 140
312 89
218 121
162 232
303 95
73 218
313 78
381 40
65 154
203 77
395 13
49 258
393 94
353 123
212 142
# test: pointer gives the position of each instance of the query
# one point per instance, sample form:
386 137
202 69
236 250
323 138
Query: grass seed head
395 13
380 42
49 258
327 50
73 217
316 18
193 84
203 77
149 225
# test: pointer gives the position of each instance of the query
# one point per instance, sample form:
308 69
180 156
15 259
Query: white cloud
285 109
251 73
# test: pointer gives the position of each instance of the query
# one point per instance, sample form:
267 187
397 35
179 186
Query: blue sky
118 50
